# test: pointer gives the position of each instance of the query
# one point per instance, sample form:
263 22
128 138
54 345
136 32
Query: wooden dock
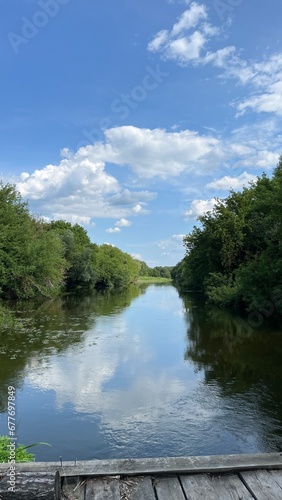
228 477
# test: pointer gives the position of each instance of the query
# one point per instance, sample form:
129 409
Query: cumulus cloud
227 182
123 223
118 225
75 174
158 153
200 207
79 189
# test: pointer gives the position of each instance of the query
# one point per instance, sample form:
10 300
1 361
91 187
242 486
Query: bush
222 291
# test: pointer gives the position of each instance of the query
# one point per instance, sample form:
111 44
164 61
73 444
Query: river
141 373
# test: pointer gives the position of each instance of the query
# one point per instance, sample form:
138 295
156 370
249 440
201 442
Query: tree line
235 257
39 258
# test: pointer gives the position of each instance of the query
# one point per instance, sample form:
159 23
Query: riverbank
151 279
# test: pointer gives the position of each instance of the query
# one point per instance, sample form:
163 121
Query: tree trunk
31 485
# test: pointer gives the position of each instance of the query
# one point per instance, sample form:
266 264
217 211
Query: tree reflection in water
239 359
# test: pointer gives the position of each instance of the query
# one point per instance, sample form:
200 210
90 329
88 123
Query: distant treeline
235 257
39 258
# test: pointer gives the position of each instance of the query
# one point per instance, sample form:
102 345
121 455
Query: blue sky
131 117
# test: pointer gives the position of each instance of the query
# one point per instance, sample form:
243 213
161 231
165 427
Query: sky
131 117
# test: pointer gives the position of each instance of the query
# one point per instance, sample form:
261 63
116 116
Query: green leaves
44 259
235 257
21 454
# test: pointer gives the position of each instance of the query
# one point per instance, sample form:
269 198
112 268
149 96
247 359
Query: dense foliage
155 272
21 454
235 257
44 259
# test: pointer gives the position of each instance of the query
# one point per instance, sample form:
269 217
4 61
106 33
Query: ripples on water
141 373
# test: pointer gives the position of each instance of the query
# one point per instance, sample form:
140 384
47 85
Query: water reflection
242 361
48 328
141 372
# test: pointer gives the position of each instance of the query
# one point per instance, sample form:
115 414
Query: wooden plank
198 487
153 466
73 489
263 484
135 488
144 490
169 488
102 489
201 486
277 475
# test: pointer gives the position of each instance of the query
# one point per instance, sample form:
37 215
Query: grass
21 455
9 449
151 279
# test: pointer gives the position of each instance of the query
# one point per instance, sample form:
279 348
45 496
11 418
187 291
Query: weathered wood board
153 466
227 487
99 489
263 484
169 487
144 490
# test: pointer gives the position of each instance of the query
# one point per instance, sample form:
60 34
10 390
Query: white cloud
127 197
123 223
228 182
187 41
74 219
172 246
137 209
261 159
268 102
158 41
178 237
113 230
157 153
200 207
118 225
137 256
186 49
189 19
78 173
256 145
264 78
79 189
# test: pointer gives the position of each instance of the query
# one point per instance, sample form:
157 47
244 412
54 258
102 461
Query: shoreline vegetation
234 259
46 259
152 279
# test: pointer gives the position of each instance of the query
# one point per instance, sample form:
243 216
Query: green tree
31 262
235 256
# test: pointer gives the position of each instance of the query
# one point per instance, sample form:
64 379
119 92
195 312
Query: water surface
141 373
